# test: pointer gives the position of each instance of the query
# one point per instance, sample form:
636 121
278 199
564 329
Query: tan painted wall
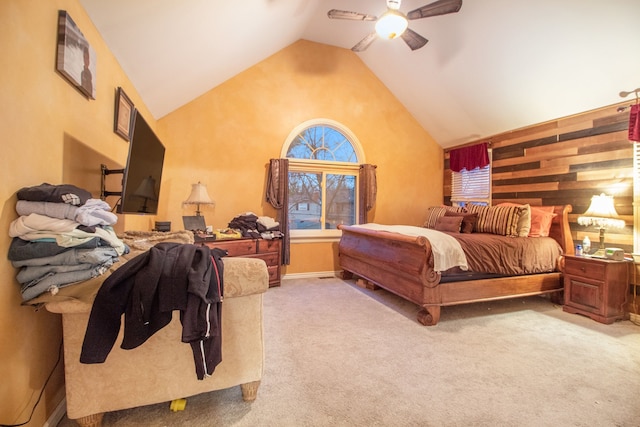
50 133
226 137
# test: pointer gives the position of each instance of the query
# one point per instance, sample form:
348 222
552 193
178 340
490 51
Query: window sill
318 237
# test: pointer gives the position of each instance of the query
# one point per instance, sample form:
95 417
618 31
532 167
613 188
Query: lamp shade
199 196
391 25
601 213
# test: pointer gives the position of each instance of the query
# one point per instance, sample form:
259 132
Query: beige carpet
339 355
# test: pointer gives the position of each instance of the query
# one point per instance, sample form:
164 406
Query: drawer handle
583 269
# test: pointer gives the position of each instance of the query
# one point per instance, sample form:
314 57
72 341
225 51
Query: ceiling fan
393 23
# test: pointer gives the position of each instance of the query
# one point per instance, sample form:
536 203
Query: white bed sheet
447 252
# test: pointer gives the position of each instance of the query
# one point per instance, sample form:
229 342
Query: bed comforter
509 256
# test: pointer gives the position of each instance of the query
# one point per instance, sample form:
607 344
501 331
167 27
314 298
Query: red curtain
469 158
634 123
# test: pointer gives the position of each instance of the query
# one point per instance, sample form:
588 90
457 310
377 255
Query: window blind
473 185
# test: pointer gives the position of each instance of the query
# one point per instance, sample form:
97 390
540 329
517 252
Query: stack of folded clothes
62 236
256 227
246 223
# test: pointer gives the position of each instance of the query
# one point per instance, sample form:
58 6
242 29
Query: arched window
324 160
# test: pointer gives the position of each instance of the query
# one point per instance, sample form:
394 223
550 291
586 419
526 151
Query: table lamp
601 214
198 196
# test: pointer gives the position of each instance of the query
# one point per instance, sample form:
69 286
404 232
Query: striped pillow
436 212
502 220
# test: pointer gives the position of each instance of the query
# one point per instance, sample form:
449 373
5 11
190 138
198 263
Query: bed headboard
560 229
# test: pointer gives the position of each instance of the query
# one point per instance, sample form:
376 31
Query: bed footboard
398 263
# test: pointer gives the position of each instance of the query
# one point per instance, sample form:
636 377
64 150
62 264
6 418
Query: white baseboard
57 414
313 275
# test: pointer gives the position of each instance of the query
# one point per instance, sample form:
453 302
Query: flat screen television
143 173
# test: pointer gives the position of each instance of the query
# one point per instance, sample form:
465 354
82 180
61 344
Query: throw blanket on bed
447 252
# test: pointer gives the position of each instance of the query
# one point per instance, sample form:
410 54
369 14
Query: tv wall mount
104 172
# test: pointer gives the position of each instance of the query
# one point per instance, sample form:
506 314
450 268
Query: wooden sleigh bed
404 265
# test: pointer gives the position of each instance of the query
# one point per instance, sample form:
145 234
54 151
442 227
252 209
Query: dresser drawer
269 259
266 250
236 247
268 246
274 274
590 269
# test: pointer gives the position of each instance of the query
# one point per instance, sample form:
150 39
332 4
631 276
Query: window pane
305 200
322 143
341 200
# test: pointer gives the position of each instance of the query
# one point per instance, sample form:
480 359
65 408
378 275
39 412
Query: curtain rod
624 94
468 144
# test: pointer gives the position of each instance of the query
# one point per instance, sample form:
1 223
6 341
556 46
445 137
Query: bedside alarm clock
615 254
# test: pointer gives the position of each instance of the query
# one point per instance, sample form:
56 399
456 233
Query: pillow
524 222
468 220
449 223
436 212
502 220
541 219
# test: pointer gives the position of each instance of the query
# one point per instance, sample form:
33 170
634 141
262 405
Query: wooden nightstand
267 250
595 287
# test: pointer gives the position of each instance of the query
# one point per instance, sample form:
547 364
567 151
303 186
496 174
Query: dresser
267 250
595 287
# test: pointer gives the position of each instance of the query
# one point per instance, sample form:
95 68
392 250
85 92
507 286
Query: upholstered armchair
162 369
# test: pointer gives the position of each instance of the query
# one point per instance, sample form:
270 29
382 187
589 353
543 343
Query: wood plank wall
567 160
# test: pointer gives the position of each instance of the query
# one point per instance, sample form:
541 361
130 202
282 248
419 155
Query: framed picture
76 60
123 113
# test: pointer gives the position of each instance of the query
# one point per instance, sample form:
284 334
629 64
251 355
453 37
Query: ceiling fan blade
352 16
413 39
365 42
440 7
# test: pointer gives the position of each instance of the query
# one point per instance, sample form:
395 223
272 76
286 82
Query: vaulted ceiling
494 66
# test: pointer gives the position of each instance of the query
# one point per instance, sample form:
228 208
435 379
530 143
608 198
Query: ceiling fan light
391 25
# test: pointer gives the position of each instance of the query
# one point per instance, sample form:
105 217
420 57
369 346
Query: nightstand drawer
584 294
586 268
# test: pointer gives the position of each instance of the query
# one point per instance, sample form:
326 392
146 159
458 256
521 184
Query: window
472 186
324 160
